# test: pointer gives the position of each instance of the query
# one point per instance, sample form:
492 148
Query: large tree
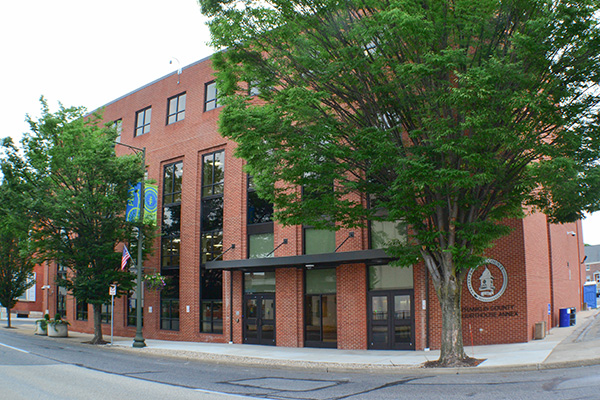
78 191
16 250
451 115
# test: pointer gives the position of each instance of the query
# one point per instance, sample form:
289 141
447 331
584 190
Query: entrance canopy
369 257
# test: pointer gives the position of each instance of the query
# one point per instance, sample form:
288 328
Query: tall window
105 313
260 224
211 226
170 245
382 233
142 121
176 109
61 293
318 241
118 126
210 96
81 311
320 323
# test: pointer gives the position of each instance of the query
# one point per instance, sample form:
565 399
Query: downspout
427 333
231 306
551 270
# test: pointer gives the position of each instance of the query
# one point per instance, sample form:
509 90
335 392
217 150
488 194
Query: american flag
126 256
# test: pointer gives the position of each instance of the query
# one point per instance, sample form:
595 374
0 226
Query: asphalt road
43 368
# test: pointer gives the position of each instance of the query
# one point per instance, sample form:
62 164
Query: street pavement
572 346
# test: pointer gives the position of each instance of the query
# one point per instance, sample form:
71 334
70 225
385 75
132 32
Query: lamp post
138 341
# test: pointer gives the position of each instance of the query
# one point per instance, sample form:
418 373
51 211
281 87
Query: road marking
14 348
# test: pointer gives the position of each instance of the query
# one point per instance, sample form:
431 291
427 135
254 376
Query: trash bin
572 313
564 319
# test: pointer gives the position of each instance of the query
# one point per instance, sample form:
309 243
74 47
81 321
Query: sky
88 53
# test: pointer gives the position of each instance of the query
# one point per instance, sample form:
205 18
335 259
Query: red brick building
235 275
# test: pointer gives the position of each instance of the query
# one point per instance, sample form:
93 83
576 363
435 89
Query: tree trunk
8 317
452 350
97 339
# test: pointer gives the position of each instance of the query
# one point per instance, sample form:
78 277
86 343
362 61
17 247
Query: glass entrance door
259 319
391 323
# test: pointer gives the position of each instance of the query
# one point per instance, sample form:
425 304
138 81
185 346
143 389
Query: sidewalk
562 347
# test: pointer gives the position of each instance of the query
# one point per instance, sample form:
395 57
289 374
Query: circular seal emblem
488 281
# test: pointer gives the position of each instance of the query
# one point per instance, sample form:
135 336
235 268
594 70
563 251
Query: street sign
113 290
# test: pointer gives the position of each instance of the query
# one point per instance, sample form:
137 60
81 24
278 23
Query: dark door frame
259 320
391 322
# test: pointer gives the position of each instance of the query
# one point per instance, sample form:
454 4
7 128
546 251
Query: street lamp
138 341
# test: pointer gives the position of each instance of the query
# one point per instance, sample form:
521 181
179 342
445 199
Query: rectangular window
105 313
81 312
211 293
318 241
176 109
118 126
211 226
29 294
210 96
171 245
261 245
169 301
142 121
132 310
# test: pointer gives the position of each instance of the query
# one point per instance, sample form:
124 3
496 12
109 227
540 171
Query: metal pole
138 341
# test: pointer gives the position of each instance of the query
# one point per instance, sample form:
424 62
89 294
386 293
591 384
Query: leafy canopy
453 115
77 195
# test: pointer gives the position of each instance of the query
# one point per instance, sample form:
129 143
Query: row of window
176 106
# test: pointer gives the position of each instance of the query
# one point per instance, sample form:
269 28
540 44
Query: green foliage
454 115
77 192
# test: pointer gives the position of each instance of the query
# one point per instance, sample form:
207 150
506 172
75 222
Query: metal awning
369 257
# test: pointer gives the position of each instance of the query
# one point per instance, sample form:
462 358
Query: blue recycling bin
564 317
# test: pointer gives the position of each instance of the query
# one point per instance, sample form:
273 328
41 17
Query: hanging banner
150 203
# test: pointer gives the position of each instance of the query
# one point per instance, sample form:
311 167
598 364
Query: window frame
178 113
145 123
213 102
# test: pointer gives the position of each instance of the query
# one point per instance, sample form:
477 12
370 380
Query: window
142 121
81 312
259 224
61 292
211 237
320 308
171 215
384 232
211 222
318 241
105 313
169 301
29 294
118 126
210 96
132 310
176 109
170 245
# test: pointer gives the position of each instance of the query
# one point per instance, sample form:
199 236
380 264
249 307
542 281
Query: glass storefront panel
329 311
259 282
261 245
319 241
320 281
385 277
313 318
384 232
